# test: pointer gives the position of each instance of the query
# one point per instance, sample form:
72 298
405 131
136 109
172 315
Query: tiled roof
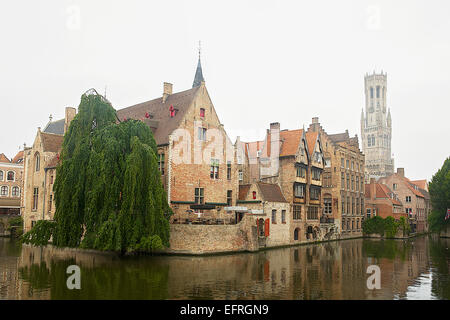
18 157
4 158
56 127
412 187
243 191
339 137
271 192
425 193
163 125
367 191
422 184
51 142
311 138
290 140
382 191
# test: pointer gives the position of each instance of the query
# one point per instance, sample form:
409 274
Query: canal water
410 269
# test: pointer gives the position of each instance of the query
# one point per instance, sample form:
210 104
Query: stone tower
376 127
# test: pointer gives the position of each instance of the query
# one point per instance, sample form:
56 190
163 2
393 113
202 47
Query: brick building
343 181
40 162
381 201
196 157
414 199
11 183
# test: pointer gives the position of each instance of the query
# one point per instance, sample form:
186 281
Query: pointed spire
198 79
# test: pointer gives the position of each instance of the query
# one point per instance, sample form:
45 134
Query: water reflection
415 269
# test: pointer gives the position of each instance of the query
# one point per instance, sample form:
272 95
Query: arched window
15 192
296 233
1 175
4 191
10 176
37 162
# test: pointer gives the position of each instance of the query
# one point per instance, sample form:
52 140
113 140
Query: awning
202 206
242 209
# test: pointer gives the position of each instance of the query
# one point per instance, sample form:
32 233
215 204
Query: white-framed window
394 186
35 198
11 175
408 198
202 134
15 192
241 175
4 191
1 175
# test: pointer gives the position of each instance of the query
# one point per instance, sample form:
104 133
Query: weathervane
199 48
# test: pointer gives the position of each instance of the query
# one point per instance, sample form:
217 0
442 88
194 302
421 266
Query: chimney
373 190
315 124
167 91
401 172
70 114
274 126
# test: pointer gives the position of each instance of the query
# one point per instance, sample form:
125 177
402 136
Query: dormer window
202 112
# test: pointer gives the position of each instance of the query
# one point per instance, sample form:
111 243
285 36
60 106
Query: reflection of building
40 170
414 199
11 183
376 127
343 180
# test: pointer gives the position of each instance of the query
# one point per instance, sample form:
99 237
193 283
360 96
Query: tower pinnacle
198 79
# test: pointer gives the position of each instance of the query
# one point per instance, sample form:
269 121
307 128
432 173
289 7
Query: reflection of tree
120 281
389 249
440 257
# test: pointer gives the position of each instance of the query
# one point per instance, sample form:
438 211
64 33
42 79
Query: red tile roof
311 138
271 192
422 184
18 157
51 142
4 158
162 123
290 141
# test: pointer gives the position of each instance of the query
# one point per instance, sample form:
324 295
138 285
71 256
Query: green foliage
108 190
40 234
385 227
440 197
15 222
374 225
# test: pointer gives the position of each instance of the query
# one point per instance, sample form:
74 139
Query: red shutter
266 228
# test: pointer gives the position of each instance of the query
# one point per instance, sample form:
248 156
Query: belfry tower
376 127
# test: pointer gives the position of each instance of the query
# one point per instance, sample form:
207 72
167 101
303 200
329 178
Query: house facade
11 184
382 201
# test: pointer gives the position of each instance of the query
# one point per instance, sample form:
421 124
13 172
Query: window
10 176
161 158
357 183
353 183
348 181
1 175
394 186
371 92
4 191
408 198
50 200
353 206
202 134
15 192
35 198
327 206
353 165
199 195
348 205
241 175
313 213
299 190
202 112
315 193
297 210
362 206
254 195
51 179
362 185
342 180
343 205
283 216
229 170
274 216
327 163
353 224
342 162
37 162
357 224
230 197
347 162
214 173
343 224
378 91
315 173
357 205
301 172
368 213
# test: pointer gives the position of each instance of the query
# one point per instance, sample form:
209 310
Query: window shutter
266 227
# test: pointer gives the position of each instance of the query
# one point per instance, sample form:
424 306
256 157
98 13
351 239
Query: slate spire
198 73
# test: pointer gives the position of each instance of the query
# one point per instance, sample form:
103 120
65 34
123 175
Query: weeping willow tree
108 191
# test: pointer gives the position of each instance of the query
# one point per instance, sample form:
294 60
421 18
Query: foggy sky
263 62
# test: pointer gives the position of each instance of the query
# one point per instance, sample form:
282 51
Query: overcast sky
263 61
